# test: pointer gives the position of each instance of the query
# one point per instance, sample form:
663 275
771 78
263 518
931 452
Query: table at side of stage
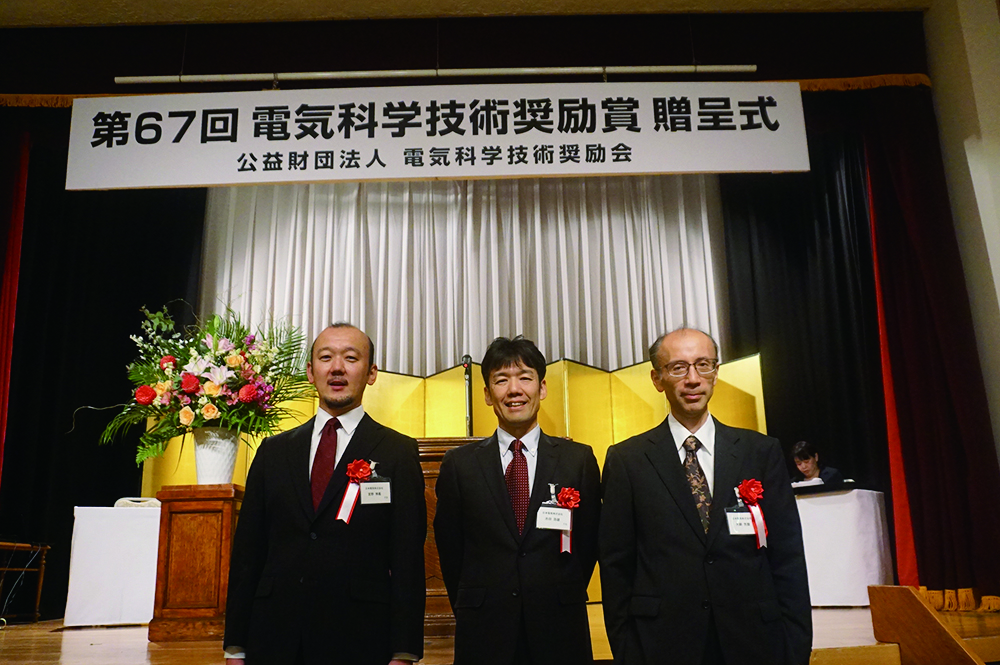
112 570
846 540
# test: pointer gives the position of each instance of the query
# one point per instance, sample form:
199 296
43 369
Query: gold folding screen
584 403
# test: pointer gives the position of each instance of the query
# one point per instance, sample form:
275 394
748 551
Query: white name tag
551 517
376 491
740 523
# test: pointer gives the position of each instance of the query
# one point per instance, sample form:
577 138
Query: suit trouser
713 649
522 654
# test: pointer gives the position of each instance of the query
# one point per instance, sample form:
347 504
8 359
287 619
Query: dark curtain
14 151
89 261
811 313
801 290
946 436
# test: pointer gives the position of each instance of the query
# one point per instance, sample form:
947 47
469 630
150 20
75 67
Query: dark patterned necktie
517 484
696 478
325 460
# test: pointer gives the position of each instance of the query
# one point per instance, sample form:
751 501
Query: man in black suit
680 584
519 596
310 580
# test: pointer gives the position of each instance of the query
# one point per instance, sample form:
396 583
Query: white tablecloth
112 569
847 545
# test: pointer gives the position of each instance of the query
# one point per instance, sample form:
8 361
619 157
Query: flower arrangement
213 374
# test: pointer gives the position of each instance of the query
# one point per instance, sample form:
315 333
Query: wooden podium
438 618
197 523
192 569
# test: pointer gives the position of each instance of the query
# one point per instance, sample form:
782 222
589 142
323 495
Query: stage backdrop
591 269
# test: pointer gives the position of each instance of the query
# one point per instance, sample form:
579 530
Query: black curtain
802 294
89 261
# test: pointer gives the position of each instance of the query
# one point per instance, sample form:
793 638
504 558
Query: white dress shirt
705 454
529 446
348 423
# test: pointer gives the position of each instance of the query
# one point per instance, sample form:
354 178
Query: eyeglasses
704 367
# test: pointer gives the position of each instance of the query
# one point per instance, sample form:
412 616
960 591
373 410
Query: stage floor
48 643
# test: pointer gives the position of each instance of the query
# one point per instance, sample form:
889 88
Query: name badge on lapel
376 490
740 521
557 514
554 517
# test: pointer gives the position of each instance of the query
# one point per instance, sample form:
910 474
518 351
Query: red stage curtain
906 553
945 434
14 152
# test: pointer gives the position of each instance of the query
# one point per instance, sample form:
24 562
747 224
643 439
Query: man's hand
234 661
396 661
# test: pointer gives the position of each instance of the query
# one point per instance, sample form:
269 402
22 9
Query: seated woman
807 462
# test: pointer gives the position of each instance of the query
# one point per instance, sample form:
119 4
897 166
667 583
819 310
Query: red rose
190 383
750 491
248 393
145 395
568 497
168 360
359 471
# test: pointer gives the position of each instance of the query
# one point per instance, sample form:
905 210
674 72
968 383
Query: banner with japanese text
433 132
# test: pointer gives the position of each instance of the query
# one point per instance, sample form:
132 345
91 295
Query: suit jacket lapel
662 453
298 464
545 471
488 455
728 463
368 434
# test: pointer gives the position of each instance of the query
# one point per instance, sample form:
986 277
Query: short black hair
345 324
803 450
504 352
655 346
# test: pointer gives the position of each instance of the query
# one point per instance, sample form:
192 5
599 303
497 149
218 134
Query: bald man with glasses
694 570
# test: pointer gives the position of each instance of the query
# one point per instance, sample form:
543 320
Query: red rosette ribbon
358 471
751 492
568 497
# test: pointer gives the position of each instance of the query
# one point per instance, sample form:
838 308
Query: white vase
215 454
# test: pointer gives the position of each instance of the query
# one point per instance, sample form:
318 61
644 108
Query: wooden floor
48 643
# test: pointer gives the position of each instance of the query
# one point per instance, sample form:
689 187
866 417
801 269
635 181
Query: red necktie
517 484
325 460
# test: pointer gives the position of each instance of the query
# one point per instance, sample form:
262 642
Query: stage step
868 654
928 637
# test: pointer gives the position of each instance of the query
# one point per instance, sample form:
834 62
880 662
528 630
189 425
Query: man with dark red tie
328 556
516 527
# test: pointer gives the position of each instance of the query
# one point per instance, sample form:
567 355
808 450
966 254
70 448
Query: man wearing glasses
689 573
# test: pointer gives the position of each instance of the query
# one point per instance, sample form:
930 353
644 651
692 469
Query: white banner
433 132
